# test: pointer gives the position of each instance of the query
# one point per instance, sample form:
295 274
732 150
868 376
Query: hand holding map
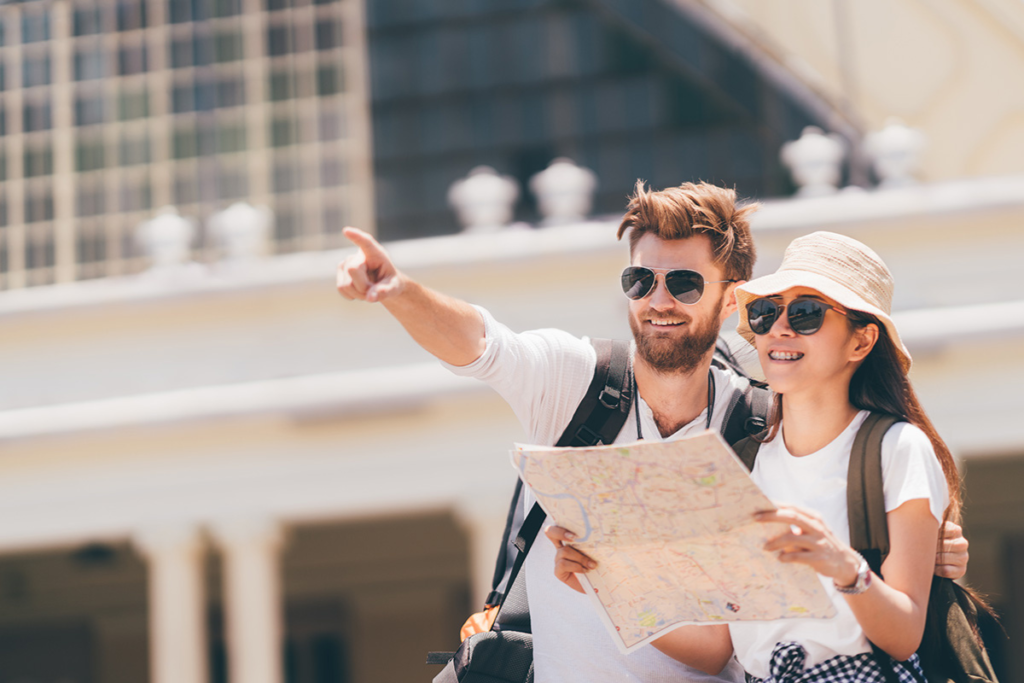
671 526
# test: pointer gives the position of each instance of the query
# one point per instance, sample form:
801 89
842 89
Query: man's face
672 336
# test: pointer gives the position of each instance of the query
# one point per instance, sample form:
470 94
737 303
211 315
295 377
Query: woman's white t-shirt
910 470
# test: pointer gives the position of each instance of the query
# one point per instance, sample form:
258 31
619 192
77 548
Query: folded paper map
671 527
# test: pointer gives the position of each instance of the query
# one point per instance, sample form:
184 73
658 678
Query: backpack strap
598 419
746 449
513 608
865 497
747 412
602 412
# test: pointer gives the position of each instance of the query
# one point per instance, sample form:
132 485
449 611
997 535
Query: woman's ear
865 339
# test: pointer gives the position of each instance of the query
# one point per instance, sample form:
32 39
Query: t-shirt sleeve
911 470
542 374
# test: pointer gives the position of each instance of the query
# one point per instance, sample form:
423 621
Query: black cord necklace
711 404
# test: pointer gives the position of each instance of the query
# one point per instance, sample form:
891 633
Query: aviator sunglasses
687 286
805 315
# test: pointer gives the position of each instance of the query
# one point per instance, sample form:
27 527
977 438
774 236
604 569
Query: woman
832 354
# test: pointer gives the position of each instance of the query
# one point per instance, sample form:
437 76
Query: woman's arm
891 612
706 648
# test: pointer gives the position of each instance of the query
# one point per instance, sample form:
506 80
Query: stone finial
166 239
815 161
564 191
895 153
242 230
483 200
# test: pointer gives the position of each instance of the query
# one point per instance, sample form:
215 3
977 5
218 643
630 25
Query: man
675 318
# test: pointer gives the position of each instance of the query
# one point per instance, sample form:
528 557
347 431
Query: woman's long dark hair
881 385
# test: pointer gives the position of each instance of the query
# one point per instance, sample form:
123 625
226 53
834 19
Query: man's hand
368 275
951 556
568 561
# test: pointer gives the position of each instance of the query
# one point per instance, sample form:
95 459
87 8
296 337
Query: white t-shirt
817 481
543 375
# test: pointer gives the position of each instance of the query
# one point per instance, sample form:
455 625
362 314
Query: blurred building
213 469
113 108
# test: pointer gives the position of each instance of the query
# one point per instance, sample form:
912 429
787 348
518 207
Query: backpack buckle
755 424
609 398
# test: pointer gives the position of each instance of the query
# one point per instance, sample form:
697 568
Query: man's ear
865 337
729 303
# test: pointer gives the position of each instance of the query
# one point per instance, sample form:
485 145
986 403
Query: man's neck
675 398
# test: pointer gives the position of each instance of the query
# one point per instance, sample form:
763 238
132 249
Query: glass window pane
332 172
37 116
181 52
90 199
186 143
280 40
38 161
89 109
228 46
88 21
283 131
131 15
135 195
328 80
183 98
90 63
232 183
133 105
35 70
282 86
38 207
332 126
328 34
202 51
89 155
231 137
35 27
131 59
179 11
230 92
134 150
226 8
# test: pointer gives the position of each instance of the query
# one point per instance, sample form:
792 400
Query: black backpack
505 653
951 649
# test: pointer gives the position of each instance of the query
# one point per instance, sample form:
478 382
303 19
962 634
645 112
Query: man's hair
695 209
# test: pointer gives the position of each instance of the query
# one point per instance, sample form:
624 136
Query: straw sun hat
838 267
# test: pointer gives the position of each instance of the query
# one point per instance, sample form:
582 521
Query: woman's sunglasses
687 286
805 315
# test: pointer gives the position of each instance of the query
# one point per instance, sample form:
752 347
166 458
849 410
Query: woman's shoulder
905 437
910 469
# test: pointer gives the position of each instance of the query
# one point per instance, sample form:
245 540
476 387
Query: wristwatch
863 581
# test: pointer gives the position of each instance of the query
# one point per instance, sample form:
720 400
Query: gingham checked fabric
787 666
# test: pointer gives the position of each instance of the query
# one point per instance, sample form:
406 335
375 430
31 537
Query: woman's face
794 363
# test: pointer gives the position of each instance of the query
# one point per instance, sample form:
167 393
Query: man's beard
670 355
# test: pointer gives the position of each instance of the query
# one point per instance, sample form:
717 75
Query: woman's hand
951 557
568 561
810 541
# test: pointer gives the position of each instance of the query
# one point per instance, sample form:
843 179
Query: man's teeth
666 323
785 355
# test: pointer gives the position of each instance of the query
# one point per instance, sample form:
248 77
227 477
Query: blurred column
14 143
65 256
252 596
177 603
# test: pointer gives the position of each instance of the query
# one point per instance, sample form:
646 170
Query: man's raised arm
447 327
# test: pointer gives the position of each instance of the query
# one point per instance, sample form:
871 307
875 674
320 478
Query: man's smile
664 323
